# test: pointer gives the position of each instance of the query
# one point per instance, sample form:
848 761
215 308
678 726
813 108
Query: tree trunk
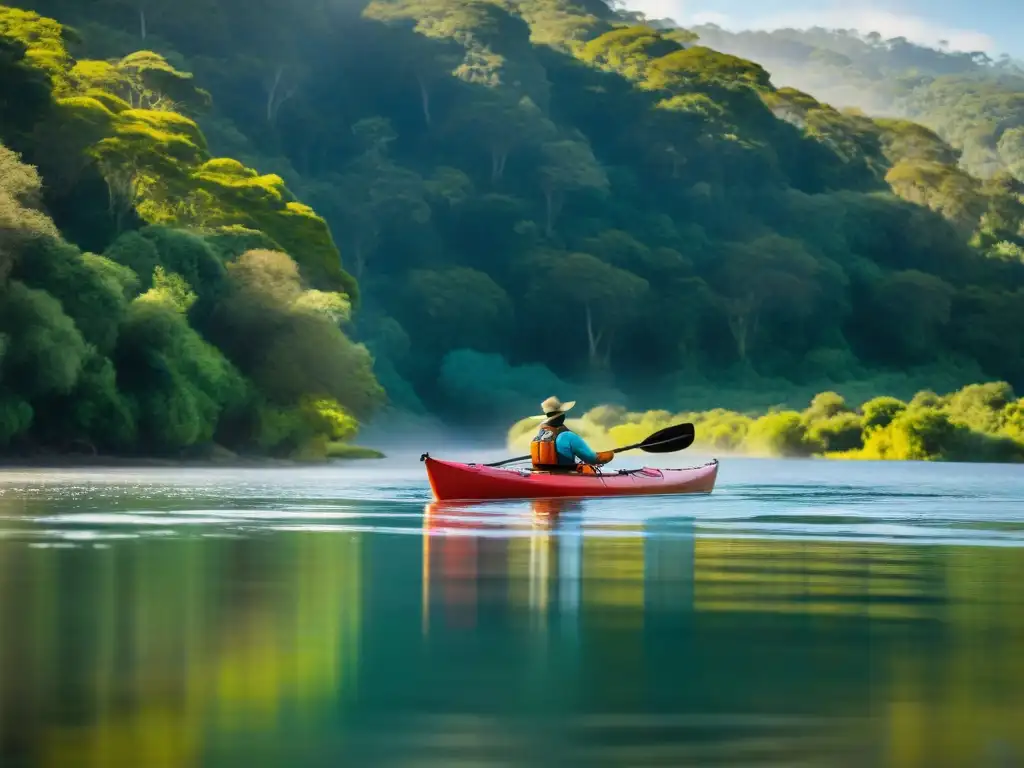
593 342
360 261
498 159
689 339
552 201
738 324
272 94
276 96
677 164
424 99
142 21
121 189
117 209
742 318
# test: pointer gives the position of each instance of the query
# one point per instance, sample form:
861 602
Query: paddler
556 448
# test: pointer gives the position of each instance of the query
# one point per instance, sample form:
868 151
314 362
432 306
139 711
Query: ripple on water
801 500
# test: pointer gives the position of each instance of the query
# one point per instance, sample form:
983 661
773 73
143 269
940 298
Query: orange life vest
543 453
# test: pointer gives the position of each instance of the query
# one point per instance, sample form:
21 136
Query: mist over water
806 613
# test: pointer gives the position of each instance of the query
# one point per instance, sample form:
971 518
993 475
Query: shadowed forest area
254 225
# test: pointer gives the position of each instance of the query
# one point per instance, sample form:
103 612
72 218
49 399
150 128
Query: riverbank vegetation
226 228
979 423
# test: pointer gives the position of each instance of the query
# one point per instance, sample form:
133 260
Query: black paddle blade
670 439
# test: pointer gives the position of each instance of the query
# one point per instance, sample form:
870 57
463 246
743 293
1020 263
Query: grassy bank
981 422
345 451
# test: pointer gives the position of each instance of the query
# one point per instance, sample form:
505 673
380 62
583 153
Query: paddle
668 440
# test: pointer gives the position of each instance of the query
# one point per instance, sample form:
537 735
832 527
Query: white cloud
889 24
864 17
660 9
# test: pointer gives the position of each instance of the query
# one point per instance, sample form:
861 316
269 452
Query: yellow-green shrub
778 434
979 423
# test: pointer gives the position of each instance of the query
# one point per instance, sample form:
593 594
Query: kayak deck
453 481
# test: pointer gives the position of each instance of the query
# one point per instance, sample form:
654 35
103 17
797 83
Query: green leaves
180 385
584 293
880 411
980 423
698 64
462 308
154 84
164 388
971 103
15 417
27 90
772 279
373 193
504 125
171 290
628 50
20 221
912 309
44 352
569 166
86 288
943 188
143 80
44 40
302 350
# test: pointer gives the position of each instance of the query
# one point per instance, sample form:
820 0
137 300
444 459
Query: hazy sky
994 26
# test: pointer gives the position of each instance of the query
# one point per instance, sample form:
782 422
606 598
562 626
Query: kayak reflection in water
556 448
440 515
548 512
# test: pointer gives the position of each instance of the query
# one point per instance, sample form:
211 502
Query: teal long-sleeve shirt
571 446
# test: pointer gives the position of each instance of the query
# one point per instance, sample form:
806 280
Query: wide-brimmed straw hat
553 408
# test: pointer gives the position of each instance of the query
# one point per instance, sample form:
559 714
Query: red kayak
451 481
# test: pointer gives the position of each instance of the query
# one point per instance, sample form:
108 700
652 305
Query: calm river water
805 614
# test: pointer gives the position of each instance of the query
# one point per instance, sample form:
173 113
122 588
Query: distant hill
973 101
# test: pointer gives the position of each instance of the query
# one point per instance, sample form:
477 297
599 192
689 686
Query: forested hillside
973 101
531 188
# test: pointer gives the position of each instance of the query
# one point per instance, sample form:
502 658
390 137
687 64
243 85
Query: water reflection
879 655
134 654
467 552
540 633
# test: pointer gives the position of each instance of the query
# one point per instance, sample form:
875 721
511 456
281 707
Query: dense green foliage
979 423
538 187
180 334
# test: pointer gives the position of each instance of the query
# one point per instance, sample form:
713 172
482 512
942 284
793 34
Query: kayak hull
452 481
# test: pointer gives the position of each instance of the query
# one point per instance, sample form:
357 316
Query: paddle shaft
616 450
